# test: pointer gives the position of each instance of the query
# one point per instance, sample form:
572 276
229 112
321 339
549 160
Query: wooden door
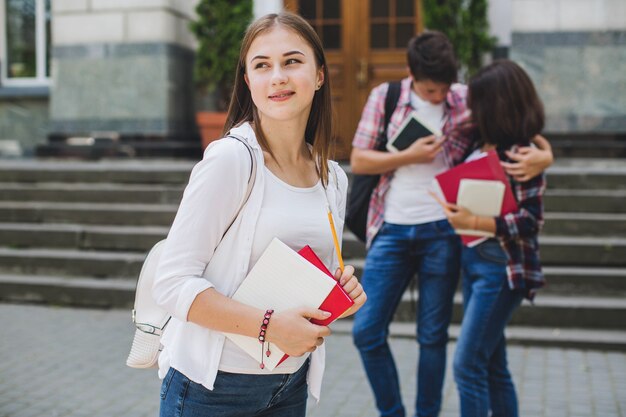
365 43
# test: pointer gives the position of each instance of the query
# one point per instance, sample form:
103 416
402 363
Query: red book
337 302
485 168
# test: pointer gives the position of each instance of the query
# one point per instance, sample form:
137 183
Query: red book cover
485 168
337 302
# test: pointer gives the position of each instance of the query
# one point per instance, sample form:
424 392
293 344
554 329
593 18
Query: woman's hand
294 334
460 217
352 287
529 161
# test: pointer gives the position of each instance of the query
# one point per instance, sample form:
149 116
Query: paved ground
62 362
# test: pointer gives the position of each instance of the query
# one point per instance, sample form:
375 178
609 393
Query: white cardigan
192 261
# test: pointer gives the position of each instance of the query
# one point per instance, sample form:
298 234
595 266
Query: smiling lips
281 95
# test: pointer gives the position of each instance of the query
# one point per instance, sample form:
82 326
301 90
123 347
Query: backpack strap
251 179
391 102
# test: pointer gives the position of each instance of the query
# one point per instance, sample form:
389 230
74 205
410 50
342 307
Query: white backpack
150 319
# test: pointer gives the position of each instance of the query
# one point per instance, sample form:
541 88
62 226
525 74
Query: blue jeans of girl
397 253
235 395
480 365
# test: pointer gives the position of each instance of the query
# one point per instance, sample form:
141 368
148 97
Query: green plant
219 29
465 23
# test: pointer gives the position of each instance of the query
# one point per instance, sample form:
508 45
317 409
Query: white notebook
483 198
281 279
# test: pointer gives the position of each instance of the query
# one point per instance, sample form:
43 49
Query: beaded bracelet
266 321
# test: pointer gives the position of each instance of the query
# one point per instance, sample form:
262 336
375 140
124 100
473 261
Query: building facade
124 67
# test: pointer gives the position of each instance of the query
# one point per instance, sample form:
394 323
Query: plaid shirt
372 123
518 232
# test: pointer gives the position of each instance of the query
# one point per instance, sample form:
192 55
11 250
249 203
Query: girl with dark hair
500 272
281 108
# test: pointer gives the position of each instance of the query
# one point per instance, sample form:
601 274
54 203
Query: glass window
27 33
404 8
332 9
307 9
48 36
21 52
331 35
379 36
404 32
379 8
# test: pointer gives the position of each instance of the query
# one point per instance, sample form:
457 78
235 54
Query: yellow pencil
337 247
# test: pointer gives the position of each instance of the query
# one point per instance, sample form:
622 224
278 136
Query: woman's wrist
475 223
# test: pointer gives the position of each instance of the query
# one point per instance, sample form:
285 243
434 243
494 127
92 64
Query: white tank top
298 217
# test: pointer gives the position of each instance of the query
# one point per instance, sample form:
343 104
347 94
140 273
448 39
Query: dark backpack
363 185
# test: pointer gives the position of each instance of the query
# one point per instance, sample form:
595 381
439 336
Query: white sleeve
211 200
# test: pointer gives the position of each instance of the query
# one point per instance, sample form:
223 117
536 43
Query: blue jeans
397 253
235 395
480 365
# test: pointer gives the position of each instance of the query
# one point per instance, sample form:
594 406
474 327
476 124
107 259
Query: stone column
122 66
499 14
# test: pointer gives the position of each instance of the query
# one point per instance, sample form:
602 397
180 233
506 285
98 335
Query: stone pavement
64 362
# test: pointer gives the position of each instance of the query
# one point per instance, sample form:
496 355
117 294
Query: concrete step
575 338
587 177
547 311
573 281
590 224
585 201
115 238
568 173
67 262
77 291
562 280
582 251
135 171
91 193
585 224
555 250
88 213
578 173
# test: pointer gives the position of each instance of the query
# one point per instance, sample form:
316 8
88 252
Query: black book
411 130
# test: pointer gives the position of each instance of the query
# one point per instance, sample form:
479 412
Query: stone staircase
76 233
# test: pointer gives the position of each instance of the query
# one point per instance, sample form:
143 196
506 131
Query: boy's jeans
397 253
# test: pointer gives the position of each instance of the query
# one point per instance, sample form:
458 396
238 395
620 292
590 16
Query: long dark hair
318 130
505 105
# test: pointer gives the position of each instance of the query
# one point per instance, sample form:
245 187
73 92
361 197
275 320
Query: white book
483 198
281 279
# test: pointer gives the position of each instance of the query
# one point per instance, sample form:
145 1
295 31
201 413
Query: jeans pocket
492 251
165 386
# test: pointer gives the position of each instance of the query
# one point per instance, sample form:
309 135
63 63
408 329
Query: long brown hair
505 105
318 130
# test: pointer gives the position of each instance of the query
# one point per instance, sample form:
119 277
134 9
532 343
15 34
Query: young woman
281 107
500 272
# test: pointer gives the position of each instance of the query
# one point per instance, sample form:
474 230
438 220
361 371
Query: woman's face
282 75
